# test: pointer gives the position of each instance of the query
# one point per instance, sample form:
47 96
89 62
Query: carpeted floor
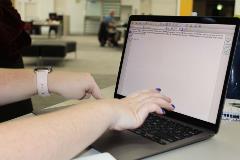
101 62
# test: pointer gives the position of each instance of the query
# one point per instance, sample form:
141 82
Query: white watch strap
42 86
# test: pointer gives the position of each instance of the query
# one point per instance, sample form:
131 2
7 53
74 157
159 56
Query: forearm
58 135
16 85
19 84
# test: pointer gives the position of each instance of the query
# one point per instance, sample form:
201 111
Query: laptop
189 58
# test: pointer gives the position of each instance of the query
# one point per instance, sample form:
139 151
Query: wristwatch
42 80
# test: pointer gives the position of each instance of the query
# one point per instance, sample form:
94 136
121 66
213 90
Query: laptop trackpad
127 145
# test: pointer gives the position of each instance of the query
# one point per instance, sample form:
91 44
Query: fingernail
158 89
163 112
173 106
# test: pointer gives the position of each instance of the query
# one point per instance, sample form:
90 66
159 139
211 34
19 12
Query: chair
53 17
28 27
103 34
31 29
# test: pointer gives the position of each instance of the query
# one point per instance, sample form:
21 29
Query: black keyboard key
164 131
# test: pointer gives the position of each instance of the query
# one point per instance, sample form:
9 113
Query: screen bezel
189 19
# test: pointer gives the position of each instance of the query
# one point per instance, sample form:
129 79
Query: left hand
73 85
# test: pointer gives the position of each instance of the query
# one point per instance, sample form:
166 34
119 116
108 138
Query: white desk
225 145
50 24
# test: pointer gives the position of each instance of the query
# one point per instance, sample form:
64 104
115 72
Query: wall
155 7
44 10
126 12
135 5
237 8
164 7
76 11
93 8
34 9
39 10
146 7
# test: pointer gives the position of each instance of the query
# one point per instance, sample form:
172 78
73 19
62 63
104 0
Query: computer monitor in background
53 16
233 91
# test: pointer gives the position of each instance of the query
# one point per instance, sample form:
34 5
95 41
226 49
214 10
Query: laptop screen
188 61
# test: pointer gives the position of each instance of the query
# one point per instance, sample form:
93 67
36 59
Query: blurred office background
66 31
84 16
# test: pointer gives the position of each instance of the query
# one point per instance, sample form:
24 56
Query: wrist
55 84
114 111
42 80
31 76
52 81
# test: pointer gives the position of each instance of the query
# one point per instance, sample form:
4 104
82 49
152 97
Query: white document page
189 66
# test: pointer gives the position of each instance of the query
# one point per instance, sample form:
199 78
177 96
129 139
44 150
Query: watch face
49 68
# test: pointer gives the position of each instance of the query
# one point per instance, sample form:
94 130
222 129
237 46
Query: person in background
108 32
53 18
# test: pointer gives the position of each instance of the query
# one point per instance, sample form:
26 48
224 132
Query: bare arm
63 134
59 135
19 84
16 85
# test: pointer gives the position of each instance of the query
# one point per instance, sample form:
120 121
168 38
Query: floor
101 62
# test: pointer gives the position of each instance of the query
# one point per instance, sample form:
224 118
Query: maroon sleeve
12 34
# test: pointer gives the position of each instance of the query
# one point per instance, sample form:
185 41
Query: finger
166 98
96 92
151 108
145 96
87 96
143 92
138 93
160 102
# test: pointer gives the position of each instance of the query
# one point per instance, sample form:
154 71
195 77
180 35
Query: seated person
108 32
53 18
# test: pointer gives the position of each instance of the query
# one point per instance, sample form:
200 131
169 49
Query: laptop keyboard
164 131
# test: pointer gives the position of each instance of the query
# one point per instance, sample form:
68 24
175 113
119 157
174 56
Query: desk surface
46 23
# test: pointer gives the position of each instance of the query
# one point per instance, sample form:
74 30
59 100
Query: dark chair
102 34
53 17
233 89
30 28
108 34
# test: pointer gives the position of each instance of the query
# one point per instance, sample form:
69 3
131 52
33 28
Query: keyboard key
164 131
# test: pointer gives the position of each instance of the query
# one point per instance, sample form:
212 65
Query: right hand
132 111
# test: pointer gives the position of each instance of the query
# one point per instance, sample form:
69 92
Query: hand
73 85
132 111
